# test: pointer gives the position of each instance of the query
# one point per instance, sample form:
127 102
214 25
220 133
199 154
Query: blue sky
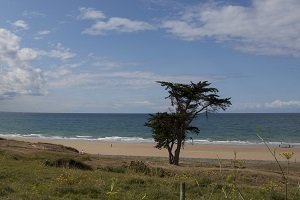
105 55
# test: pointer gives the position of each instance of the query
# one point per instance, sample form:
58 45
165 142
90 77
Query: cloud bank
269 27
283 104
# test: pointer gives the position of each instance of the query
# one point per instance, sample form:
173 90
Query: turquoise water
217 128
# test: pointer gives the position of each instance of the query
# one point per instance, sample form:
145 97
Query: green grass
25 176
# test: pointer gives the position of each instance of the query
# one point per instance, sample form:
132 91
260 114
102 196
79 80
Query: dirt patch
54 147
28 147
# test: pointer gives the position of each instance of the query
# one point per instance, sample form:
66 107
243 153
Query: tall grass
286 155
26 176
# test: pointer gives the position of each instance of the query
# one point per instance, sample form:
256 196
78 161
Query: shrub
118 169
160 172
139 167
67 163
136 180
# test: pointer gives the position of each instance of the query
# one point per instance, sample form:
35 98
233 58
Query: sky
105 56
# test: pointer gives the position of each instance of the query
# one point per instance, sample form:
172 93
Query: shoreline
140 140
200 151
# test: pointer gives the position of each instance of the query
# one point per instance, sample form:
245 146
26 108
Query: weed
273 153
112 194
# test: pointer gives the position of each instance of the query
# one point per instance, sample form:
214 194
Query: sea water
220 128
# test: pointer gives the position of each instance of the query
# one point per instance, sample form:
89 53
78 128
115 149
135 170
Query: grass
51 175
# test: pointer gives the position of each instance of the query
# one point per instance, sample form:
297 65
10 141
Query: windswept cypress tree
170 130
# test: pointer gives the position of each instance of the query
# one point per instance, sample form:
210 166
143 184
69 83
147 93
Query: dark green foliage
5 190
67 163
136 180
163 127
139 167
160 172
276 196
195 97
115 169
187 101
203 181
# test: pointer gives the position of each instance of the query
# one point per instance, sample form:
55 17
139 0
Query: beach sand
207 151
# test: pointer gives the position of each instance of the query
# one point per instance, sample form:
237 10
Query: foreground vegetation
65 174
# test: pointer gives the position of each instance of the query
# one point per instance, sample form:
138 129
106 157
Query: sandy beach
207 151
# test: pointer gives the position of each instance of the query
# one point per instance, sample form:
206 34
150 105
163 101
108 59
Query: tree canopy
170 129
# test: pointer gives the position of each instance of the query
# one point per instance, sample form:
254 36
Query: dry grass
24 175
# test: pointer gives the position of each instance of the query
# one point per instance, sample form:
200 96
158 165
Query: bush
160 172
5 190
67 163
121 169
136 180
139 167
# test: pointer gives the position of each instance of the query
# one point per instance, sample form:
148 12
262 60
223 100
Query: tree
171 129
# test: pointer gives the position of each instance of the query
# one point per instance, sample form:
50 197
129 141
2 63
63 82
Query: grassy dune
43 171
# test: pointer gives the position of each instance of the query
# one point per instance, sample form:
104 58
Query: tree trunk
171 156
177 153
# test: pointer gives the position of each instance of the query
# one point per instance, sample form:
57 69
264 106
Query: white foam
127 139
32 135
84 136
141 140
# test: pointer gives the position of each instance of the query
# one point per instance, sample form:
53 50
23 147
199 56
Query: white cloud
27 54
143 103
61 71
273 106
31 14
247 106
105 64
9 46
117 79
41 34
166 5
269 27
17 77
21 81
90 13
59 52
283 104
20 24
118 24
11 53
44 32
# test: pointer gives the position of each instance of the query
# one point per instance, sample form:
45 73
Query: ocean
219 128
